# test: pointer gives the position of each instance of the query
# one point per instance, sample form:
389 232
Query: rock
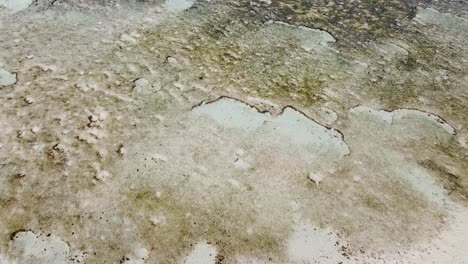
93 118
102 152
143 87
86 87
316 177
20 175
20 134
132 68
158 220
29 100
97 133
103 176
59 148
35 129
240 152
127 38
7 78
122 151
25 134
102 115
84 137
135 34
171 60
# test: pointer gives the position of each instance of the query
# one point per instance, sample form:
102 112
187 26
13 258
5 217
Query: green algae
188 224
452 182
374 203
260 70
352 22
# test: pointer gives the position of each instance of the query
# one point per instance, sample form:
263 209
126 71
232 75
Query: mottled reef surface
262 131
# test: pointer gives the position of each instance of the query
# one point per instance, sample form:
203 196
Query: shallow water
178 5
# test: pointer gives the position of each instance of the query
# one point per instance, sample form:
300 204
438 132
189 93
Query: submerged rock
7 78
310 39
143 87
28 247
203 253
178 5
312 245
290 126
320 147
15 5
138 256
446 21
411 117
